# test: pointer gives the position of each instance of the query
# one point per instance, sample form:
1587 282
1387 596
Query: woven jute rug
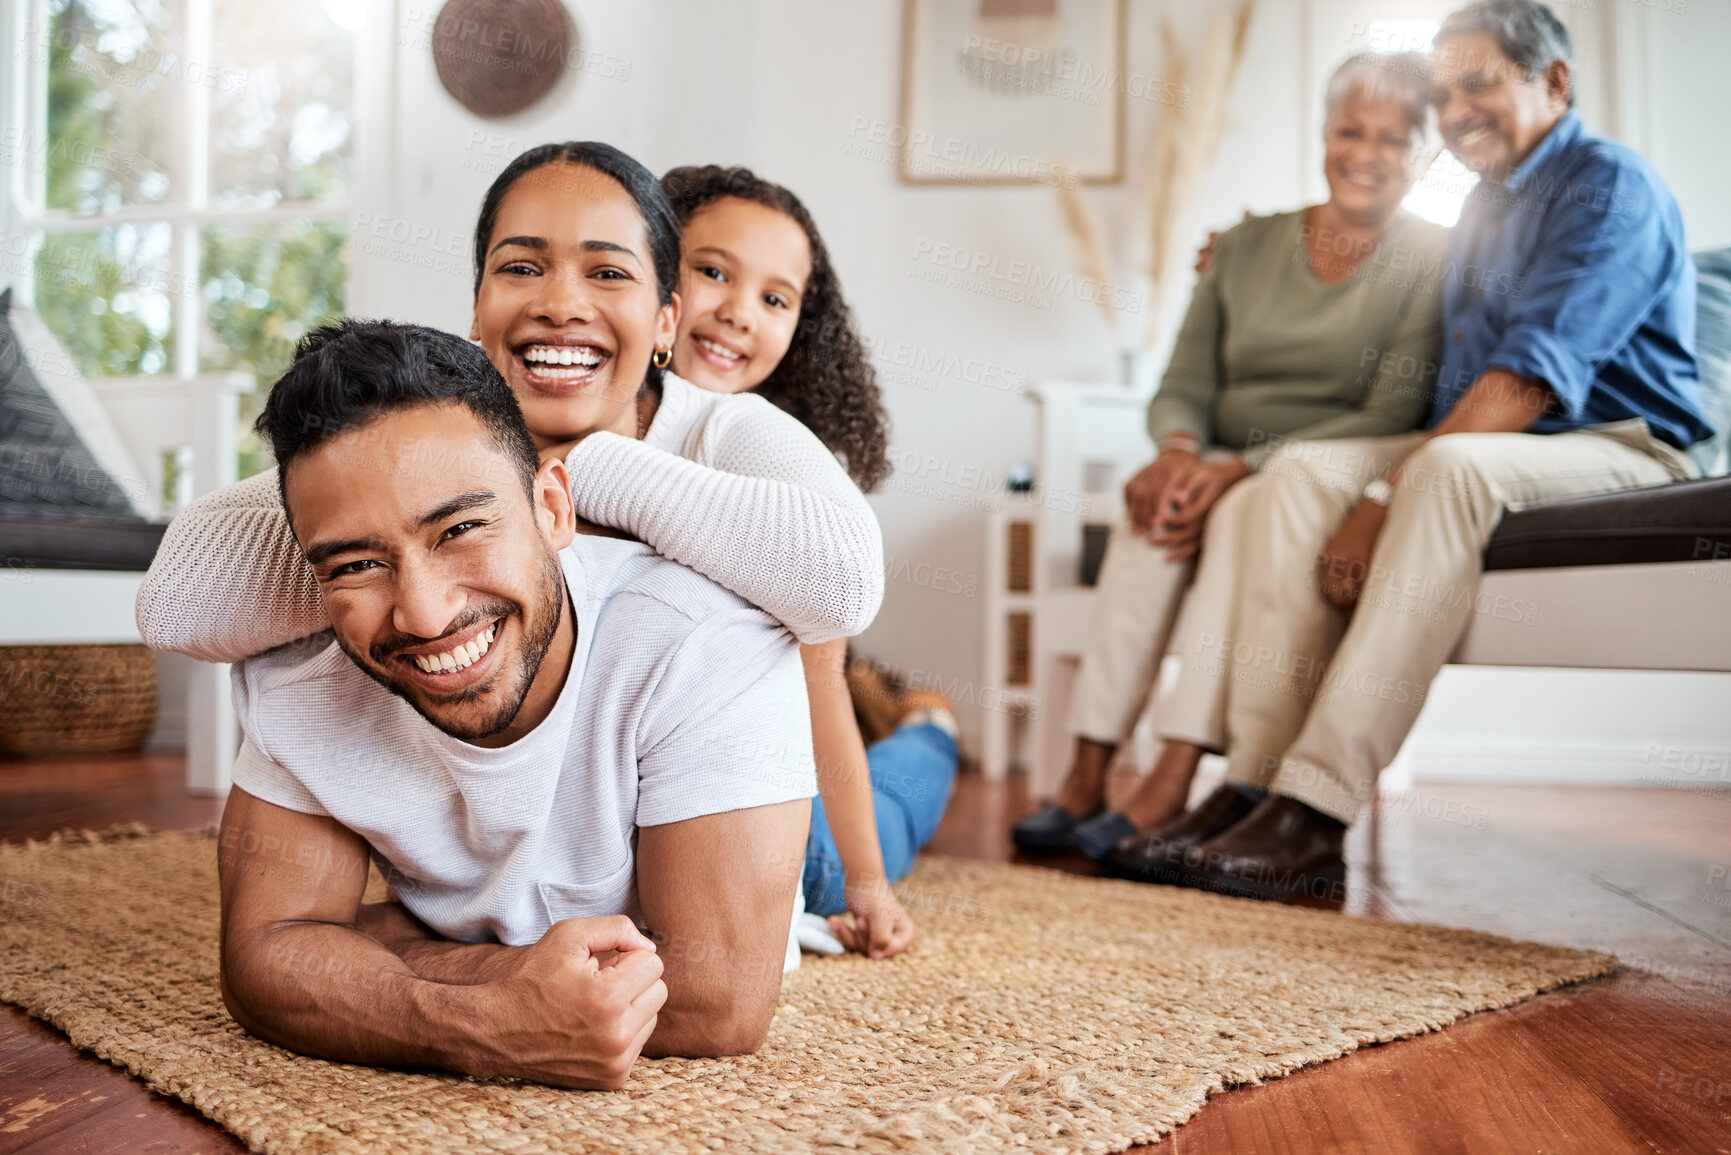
1037 1012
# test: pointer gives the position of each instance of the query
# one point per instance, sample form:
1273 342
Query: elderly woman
1314 324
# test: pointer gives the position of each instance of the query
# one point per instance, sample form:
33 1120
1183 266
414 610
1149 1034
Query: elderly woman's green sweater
1269 353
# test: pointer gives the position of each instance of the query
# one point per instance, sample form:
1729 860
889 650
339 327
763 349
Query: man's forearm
435 959
1498 402
717 893
330 991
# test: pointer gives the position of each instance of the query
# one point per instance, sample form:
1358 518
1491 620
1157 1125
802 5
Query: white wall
1687 45
784 86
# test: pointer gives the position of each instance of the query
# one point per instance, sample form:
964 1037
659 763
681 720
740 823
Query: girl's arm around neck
228 580
756 504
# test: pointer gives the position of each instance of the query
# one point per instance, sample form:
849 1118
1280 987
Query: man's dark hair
1528 33
349 373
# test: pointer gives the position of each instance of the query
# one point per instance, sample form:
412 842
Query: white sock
942 719
814 934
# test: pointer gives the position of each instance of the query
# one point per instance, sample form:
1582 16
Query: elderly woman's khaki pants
1145 606
1321 703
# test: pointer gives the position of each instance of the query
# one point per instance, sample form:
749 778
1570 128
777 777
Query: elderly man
1569 307
544 741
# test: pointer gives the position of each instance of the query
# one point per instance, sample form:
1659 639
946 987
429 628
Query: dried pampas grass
1187 136
1084 226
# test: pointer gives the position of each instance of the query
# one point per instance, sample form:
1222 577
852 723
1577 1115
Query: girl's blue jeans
911 771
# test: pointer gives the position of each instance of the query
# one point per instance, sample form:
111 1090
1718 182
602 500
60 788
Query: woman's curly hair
825 380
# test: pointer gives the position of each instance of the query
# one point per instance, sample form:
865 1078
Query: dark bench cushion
77 543
1686 521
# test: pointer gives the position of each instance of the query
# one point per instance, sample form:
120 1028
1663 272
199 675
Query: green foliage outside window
111 295
264 288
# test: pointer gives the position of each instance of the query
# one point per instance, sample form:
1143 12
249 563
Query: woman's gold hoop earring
662 359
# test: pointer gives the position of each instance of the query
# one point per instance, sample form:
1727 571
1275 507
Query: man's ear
554 513
1559 83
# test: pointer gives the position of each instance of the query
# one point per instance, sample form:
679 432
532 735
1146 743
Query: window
1439 196
181 180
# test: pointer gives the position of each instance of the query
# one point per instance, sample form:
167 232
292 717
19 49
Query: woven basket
76 699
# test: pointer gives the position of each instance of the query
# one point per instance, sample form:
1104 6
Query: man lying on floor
545 740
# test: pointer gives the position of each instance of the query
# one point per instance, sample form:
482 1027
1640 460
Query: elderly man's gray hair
1527 31
1398 78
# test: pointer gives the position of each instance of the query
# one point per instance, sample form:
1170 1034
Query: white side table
1091 440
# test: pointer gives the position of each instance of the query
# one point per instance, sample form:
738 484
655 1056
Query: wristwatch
1379 492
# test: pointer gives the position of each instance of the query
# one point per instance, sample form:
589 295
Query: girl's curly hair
825 380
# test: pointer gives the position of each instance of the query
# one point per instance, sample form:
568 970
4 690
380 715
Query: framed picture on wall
1012 92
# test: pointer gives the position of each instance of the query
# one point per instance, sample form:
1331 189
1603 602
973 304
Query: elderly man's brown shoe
1157 855
1283 849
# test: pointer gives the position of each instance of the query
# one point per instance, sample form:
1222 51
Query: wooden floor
1637 1062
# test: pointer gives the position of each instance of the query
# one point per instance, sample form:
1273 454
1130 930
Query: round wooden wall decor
497 57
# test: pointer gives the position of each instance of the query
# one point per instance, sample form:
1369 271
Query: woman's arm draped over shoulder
228 580
770 514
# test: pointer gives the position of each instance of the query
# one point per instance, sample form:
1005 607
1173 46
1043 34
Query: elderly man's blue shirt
1574 272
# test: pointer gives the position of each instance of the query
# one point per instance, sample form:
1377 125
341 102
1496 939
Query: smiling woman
573 317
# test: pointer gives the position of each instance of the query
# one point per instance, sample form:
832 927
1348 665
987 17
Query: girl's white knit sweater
727 484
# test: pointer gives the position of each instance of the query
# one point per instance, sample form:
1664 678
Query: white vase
1136 369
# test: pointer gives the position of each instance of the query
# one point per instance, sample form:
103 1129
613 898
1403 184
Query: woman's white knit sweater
727 484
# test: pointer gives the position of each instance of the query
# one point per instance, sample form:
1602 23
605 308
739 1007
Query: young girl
577 266
762 310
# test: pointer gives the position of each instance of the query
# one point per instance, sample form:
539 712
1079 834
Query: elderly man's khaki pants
1136 612
1318 703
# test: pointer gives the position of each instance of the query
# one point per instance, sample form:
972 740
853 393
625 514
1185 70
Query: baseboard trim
168 738
1539 761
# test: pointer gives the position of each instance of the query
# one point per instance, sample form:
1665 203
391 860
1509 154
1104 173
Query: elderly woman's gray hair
1527 31
1398 78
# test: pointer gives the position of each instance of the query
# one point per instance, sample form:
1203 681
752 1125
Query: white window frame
28 222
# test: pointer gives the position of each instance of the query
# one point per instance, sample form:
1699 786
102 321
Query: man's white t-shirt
682 700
